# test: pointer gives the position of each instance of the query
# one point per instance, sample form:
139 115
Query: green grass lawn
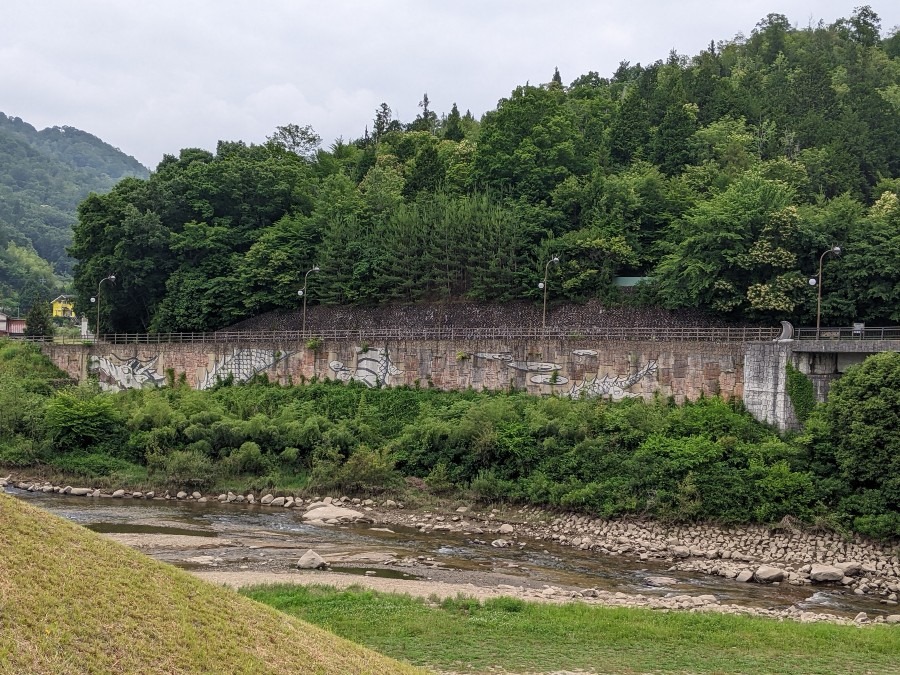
464 635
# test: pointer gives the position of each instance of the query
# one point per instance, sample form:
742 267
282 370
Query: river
253 538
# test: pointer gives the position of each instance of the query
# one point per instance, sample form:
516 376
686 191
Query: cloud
151 78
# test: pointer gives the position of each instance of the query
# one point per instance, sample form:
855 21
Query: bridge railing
848 333
649 334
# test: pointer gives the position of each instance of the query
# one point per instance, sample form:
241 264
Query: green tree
38 321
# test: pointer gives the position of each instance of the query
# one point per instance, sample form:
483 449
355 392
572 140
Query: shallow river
233 537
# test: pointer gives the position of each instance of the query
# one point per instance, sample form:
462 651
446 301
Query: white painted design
241 365
115 373
614 387
549 379
502 356
374 368
534 366
585 352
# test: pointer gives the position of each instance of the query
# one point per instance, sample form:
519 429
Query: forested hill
722 177
43 177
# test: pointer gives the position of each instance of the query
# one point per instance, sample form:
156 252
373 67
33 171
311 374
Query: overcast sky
154 77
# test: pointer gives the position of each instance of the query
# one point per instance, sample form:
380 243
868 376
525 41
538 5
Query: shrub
188 468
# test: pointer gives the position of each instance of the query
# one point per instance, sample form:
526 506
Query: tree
302 141
38 321
453 130
863 417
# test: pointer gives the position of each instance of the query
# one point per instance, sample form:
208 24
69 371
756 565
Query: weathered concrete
681 370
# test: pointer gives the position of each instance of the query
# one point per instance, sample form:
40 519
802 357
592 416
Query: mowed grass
72 601
463 635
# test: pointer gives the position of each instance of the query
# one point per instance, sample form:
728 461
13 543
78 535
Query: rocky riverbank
783 555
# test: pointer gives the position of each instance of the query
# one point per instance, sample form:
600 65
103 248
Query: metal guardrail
433 334
885 333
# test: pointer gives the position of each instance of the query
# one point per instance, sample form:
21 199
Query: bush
186 468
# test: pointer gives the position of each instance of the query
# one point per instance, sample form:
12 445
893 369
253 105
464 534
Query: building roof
64 298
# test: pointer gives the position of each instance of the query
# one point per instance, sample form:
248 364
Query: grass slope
72 601
463 635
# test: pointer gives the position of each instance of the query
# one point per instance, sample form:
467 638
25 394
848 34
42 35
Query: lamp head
813 281
93 299
836 250
300 293
555 259
315 268
112 277
541 285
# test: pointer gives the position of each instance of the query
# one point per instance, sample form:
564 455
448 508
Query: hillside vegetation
722 176
72 601
43 177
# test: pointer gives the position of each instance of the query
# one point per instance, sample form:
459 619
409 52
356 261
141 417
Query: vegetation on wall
801 392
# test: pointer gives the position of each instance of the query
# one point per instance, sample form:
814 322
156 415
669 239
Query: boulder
289 502
150 495
681 551
278 501
892 618
825 573
336 513
849 568
311 561
80 492
506 528
390 504
267 499
196 495
118 494
766 574
499 543
181 495
223 498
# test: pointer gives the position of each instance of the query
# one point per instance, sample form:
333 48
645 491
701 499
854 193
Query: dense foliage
43 177
707 460
722 177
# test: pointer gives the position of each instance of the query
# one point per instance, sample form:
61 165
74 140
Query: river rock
849 568
825 573
336 513
181 495
892 618
744 576
223 498
278 501
137 495
311 561
150 495
681 551
767 574
499 543
506 528
80 492
118 494
390 504
267 499
196 495
289 502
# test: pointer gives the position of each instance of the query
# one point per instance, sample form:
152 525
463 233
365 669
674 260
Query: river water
234 537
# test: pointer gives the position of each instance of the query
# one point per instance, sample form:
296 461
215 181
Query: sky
154 77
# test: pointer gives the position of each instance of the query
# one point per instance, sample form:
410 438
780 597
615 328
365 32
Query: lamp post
112 279
302 294
836 252
543 285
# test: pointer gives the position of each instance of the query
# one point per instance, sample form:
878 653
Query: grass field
463 635
72 601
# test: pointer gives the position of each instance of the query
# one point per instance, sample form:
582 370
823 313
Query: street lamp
112 279
302 294
543 285
836 252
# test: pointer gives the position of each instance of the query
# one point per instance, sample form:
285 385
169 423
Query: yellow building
64 307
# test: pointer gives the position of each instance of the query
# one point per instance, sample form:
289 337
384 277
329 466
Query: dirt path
419 588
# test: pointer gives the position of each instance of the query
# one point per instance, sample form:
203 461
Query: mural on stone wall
241 365
614 387
548 373
374 368
545 372
115 373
